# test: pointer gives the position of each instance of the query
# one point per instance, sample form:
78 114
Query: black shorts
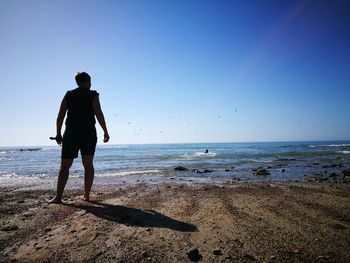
75 140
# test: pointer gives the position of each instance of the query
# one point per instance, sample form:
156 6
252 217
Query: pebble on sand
193 254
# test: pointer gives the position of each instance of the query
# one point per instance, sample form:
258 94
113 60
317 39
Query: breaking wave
190 156
330 145
344 152
129 173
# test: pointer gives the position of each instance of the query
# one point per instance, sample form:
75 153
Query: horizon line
170 143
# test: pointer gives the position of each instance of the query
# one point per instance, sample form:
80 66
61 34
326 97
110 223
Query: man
81 105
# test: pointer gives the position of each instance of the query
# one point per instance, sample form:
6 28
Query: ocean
155 163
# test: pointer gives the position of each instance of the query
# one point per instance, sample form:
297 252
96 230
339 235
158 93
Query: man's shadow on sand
135 217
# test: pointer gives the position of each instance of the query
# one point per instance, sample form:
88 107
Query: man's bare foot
86 198
55 200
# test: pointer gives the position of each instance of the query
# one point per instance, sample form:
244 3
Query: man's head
83 79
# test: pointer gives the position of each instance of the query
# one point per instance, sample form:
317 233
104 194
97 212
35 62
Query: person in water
81 105
206 151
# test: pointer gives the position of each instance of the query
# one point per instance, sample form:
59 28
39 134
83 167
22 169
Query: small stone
48 229
144 254
180 168
217 252
193 254
148 229
248 257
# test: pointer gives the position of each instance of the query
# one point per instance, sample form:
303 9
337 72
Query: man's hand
106 137
58 139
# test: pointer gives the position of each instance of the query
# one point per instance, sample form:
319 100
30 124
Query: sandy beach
265 222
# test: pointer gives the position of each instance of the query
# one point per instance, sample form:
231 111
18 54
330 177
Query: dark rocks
180 168
346 179
233 180
283 170
9 228
343 177
30 149
193 254
323 179
333 175
217 252
338 226
260 171
345 173
333 165
248 257
198 171
229 169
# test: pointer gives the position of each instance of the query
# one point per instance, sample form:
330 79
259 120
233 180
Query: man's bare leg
89 173
62 180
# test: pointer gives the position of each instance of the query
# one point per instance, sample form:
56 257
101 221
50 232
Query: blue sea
155 163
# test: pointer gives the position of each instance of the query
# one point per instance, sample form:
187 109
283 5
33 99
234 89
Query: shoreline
267 221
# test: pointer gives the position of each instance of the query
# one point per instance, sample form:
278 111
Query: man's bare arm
59 120
100 117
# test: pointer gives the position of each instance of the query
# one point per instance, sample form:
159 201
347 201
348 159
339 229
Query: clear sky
179 71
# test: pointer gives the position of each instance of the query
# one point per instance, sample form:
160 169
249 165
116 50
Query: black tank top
80 115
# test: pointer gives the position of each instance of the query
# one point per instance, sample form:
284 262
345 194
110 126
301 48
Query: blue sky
179 71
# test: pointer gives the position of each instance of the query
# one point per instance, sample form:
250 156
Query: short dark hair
81 78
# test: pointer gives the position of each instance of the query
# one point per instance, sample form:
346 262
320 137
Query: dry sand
271 222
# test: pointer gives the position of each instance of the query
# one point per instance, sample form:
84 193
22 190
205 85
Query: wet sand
271 222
